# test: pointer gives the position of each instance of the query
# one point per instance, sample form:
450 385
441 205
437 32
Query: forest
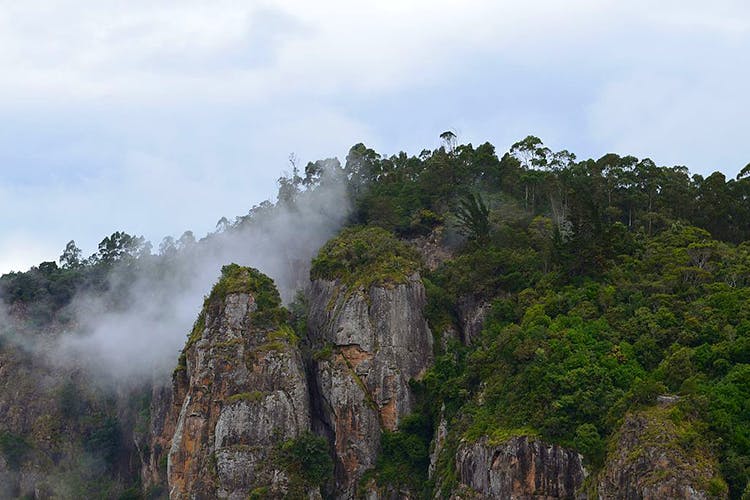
608 282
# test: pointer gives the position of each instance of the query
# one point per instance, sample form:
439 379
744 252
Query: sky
155 117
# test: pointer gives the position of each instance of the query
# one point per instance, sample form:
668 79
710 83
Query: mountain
530 326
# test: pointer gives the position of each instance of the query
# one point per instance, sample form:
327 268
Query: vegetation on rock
364 256
606 283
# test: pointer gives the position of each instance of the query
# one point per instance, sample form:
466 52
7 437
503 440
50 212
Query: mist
140 341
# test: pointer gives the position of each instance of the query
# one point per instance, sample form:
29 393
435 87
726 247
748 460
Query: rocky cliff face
520 468
650 461
241 392
367 345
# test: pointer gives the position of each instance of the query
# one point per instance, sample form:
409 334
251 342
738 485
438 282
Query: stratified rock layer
369 344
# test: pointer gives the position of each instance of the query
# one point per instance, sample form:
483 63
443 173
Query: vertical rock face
472 312
520 468
367 345
649 462
240 393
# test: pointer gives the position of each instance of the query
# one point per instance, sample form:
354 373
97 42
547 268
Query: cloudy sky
155 117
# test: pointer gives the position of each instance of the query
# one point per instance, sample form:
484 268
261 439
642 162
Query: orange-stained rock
241 392
379 340
521 468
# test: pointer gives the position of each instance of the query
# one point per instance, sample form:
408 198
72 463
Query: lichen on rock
656 453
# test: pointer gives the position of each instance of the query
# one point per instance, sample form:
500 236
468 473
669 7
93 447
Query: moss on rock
365 256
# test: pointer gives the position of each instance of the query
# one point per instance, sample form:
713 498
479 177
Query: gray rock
379 340
649 462
244 392
472 313
521 468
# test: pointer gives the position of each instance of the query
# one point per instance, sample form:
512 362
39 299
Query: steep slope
241 393
61 436
370 339
656 454
366 356
519 468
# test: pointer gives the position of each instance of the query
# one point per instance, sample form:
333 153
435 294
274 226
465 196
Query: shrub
307 460
362 257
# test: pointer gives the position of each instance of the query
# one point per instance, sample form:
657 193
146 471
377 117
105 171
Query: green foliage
405 454
285 333
363 257
612 281
308 462
566 361
260 493
269 313
118 246
588 441
14 448
324 353
103 439
238 279
473 216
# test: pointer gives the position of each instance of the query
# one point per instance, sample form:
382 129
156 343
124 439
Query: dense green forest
609 282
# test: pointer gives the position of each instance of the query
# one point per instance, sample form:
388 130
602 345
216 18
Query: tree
289 185
322 172
167 246
186 241
222 225
450 139
119 245
361 167
473 215
71 256
531 152
287 192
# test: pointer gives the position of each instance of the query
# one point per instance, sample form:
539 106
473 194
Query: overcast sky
154 117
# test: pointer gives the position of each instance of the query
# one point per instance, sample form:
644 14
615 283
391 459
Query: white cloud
21 250
160 116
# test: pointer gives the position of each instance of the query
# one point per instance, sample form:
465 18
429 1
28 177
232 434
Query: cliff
60 436
369 343
520 468
658 454
241 392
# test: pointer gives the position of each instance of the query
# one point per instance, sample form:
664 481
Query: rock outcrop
241 391
471 313
368 344
520 468
649 461
432 248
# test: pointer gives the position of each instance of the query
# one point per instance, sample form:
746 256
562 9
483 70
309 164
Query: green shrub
14 448
307 460
269 313
251 397
362 257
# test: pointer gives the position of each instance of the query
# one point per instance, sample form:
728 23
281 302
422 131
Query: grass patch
324 353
